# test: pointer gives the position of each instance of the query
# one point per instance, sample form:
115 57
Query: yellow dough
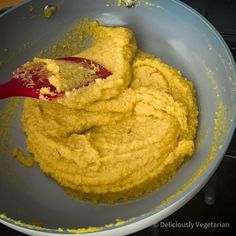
119 137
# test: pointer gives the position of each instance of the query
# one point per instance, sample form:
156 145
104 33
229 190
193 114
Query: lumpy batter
119 137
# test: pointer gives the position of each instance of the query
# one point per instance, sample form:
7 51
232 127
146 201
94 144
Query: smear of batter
119 137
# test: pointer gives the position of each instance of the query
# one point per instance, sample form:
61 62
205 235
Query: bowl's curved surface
171 31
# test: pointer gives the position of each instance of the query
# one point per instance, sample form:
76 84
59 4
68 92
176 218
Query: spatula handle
14 88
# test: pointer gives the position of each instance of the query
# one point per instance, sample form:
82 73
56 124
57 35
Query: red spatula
28 82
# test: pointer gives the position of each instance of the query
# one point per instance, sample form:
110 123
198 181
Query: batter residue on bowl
120 137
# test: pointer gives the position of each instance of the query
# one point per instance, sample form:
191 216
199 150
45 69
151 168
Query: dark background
216 202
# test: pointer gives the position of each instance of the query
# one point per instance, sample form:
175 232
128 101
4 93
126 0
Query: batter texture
120 137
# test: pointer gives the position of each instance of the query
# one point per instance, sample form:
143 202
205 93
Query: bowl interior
167 29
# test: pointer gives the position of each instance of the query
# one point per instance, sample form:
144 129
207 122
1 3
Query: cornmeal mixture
119 137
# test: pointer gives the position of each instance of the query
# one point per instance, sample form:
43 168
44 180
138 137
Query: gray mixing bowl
171 31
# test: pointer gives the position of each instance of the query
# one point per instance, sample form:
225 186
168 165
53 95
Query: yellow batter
119 137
